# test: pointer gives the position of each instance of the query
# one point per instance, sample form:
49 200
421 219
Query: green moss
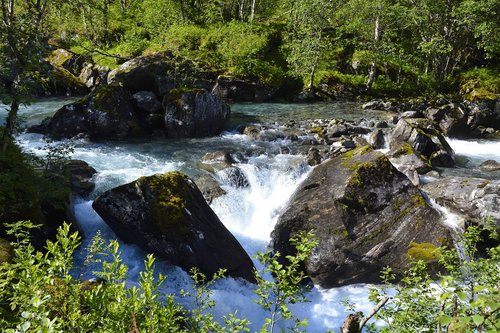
418 200
483 184
172 193
318 130
423 251
404 149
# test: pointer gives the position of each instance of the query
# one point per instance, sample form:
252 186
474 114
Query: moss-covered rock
425 139
160 73
166 214
106 113
365 214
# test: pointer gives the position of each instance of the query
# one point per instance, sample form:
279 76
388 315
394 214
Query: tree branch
374 311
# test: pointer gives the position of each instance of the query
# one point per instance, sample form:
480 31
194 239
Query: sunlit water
250 213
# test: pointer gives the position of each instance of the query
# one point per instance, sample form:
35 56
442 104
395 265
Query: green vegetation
377 47
40 292
464 298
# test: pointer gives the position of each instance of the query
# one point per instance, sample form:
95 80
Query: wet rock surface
166 214
365 214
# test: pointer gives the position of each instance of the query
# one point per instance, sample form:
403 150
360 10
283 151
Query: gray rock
209 187
195 114
365 214
80 176
473 198
313 157
377 139
425 139
147 103
408 161
234 177
167 215
490 165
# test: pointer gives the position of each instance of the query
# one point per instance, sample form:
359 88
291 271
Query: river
249 213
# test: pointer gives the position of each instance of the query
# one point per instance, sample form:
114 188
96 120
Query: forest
125 75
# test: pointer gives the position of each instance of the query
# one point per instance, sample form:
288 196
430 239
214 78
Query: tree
21 51
306 36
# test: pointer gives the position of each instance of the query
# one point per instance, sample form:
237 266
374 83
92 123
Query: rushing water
249 213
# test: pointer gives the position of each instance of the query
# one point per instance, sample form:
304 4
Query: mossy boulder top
365 214
166 214
106 113
160 72
425 139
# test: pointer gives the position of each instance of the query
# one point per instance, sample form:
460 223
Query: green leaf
445 320
478 319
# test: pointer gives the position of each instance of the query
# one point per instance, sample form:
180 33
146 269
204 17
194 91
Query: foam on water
480 150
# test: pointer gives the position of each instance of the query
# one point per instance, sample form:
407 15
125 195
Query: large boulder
451 119
160 73
474 199
166 214
365 214
106 113
425 139
194 114
484 113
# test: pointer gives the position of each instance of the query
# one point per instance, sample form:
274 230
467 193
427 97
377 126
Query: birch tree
20 52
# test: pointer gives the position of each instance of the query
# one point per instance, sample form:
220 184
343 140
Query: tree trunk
376 39
252 11
11 123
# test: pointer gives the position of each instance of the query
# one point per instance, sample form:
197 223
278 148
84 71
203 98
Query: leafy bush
465 298
480 83
43 291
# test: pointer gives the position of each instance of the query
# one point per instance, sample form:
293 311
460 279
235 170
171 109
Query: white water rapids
249 213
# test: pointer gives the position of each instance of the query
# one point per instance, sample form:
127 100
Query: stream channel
249 213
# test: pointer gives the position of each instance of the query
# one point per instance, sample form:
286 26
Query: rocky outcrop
237 90
168 216
472 198
194 114
106 113
160 73
425 139
365 214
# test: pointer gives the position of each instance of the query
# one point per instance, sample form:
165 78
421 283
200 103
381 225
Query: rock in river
472 198
365 214
195 114
166 214
425 139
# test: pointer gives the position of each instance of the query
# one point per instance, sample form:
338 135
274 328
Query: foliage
288 285
44 292
465 298
480 83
